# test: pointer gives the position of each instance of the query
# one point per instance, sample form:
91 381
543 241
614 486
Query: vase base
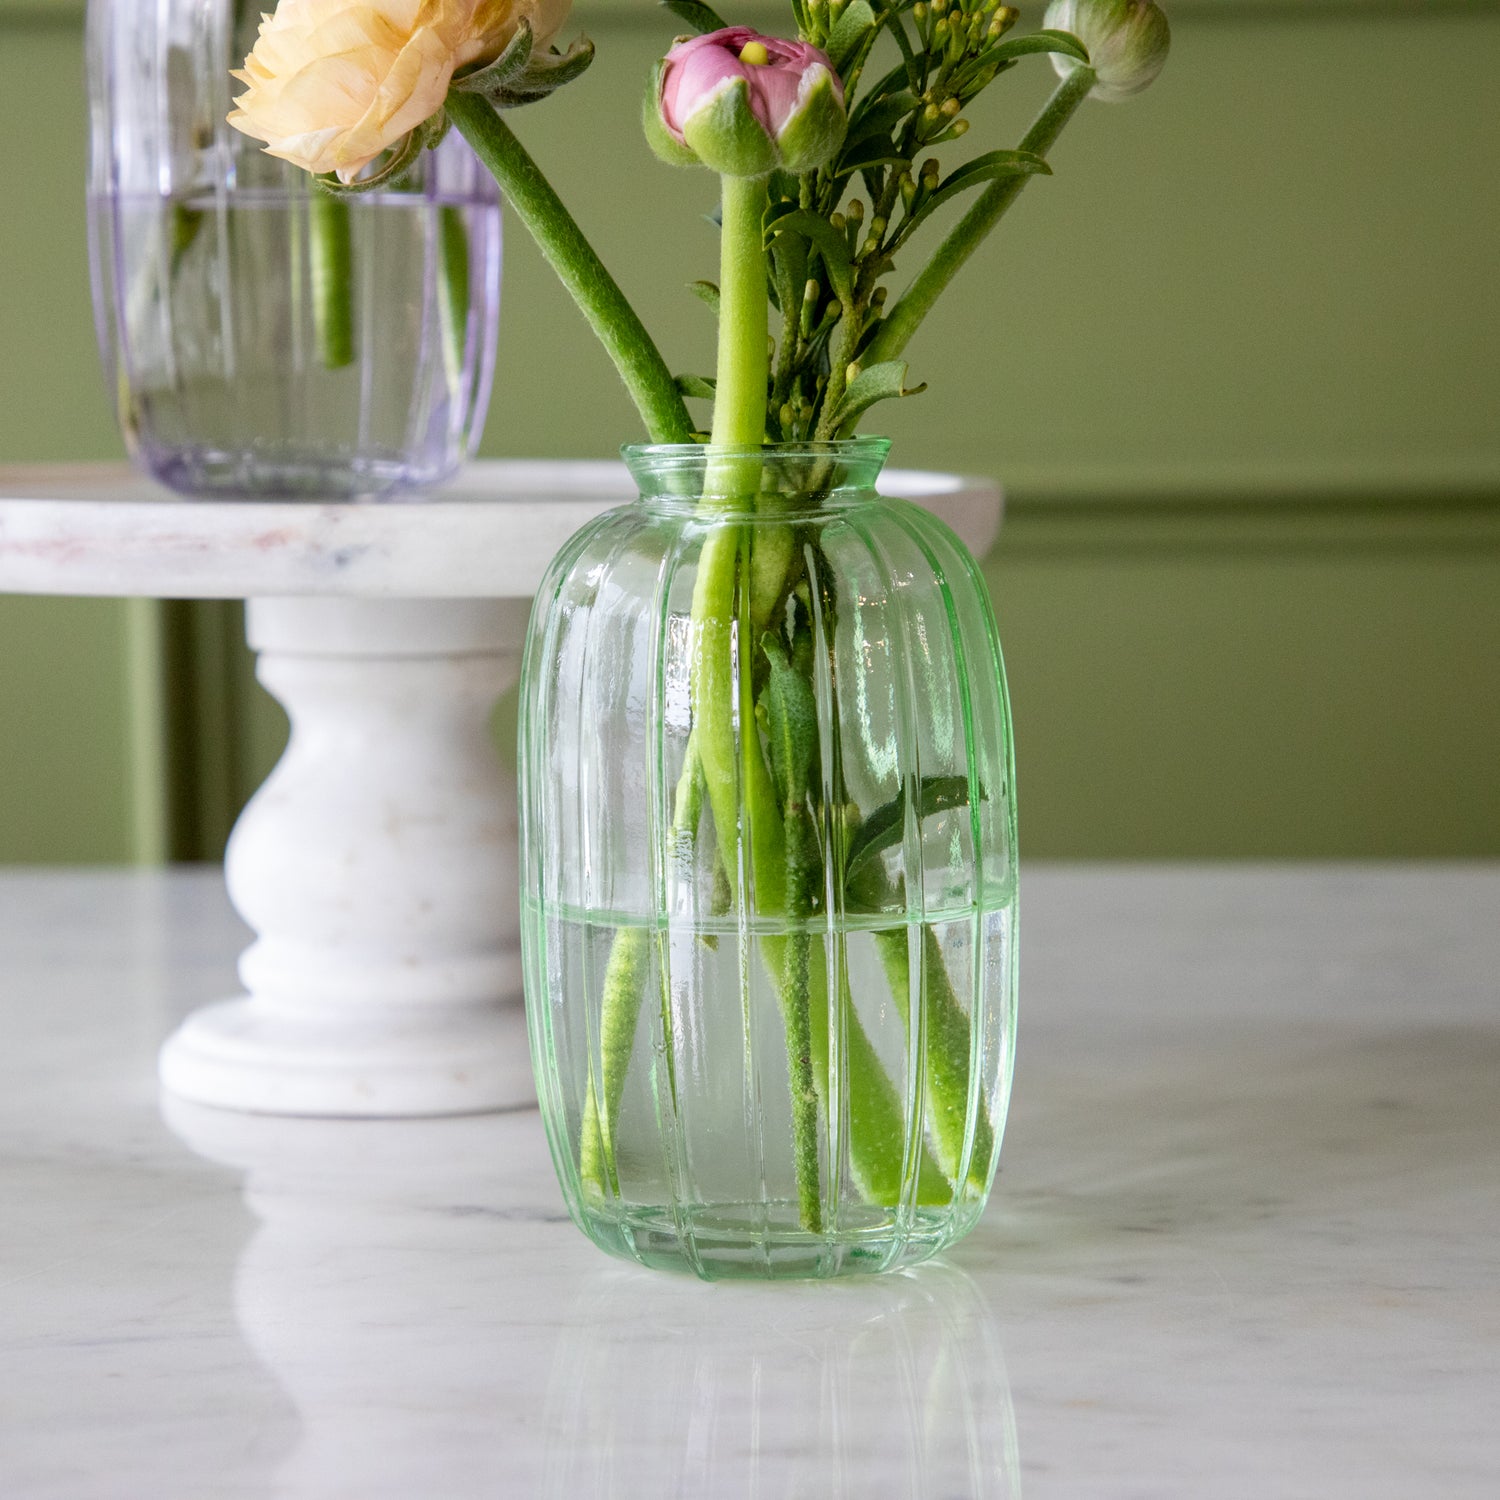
762 1242
283 472
396 1063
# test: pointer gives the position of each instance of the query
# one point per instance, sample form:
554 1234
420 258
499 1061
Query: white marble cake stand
377 865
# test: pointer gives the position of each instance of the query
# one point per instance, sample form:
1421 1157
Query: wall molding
1436 483
1441 506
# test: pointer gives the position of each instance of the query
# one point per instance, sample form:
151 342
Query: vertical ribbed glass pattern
260 337
768 864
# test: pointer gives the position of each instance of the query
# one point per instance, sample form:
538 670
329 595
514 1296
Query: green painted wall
1237 363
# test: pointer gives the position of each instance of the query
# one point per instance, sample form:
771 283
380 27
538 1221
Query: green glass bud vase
769 864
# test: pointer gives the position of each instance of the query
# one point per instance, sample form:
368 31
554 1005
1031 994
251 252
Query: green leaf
791 723
848 32
880 382
830 241
696 387
990 167
523 74
782 184
662 142
727 135
877 95
883 117
777 211
887 824
1039 41
878 151
702 18
510 64
706 291
908 57
789 271
548 71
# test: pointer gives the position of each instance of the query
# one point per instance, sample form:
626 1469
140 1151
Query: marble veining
1242 1243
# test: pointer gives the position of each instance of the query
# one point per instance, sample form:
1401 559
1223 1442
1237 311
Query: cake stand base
239 1055
377 867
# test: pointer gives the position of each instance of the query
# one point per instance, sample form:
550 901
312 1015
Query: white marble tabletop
1245 1240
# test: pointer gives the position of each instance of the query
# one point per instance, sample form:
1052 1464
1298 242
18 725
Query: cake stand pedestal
377 865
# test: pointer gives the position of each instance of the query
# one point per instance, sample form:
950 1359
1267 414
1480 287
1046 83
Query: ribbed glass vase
769 869
261 337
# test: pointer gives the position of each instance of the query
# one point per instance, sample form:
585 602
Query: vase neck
784 478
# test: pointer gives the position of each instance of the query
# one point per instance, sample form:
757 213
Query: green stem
744 318
596 292
453 289
878 1123
795 986
331 245
626 974
625 977
966 236
725 752
846 337
740 788
949 1038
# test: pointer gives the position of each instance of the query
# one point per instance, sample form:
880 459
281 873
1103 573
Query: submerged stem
947 1054
331 245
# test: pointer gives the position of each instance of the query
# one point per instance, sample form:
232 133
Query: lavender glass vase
261 337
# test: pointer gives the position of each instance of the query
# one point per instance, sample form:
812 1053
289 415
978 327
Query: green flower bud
1127 42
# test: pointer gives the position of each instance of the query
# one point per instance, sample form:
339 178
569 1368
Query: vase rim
821 473
855 447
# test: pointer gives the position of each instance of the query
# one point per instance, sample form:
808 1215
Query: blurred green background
1236 364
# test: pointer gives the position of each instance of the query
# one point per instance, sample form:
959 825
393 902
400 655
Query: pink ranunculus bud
745 104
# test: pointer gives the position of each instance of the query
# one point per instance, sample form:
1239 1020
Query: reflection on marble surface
655 1387
1242 1246
392 1370
891 1386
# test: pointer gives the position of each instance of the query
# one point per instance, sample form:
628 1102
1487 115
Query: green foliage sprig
834 235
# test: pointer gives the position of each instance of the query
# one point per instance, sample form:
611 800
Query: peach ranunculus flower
333 83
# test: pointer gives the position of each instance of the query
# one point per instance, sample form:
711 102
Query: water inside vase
240 369
704 1171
